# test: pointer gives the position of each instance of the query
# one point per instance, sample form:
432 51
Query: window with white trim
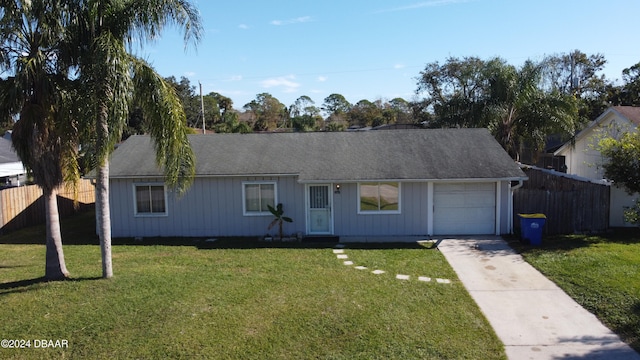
379 198
256 196
150 200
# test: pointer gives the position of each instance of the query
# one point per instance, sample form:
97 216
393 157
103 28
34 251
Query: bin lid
533 216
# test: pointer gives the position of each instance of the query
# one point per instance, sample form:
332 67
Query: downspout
510 216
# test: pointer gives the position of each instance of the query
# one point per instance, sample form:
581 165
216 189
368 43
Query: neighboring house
583 159
12 172
361 186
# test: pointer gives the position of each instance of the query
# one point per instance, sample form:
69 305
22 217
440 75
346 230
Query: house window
150 199
256 197
379 197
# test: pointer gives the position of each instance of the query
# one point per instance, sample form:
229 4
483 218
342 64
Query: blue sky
374 49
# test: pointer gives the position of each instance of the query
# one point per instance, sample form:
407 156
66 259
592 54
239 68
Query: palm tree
519 111
37 89
113 80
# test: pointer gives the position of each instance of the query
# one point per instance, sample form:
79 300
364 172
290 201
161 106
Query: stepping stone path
340 254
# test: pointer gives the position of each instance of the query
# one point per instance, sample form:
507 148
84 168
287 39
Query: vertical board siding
211 207
23 206
571 205
412 219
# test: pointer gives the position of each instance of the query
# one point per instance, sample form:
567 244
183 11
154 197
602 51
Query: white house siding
583 159
620 200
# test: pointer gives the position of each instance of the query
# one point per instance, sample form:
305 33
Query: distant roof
438 154
632 113
7 154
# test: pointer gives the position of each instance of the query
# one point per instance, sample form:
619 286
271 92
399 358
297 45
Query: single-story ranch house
360 186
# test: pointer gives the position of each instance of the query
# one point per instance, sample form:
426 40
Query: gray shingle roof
7 154
439 154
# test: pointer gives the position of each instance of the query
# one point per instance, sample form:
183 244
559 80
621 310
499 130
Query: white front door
319 219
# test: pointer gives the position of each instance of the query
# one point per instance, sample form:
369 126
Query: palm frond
166 122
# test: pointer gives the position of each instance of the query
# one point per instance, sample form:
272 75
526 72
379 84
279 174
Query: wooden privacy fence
24 206
572 205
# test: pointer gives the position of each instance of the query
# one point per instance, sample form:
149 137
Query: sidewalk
533 317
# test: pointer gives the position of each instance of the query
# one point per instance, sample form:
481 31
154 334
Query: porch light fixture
337 191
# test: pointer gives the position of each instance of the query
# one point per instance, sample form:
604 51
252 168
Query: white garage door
464 208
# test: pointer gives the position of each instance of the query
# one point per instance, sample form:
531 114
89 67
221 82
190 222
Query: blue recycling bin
531 228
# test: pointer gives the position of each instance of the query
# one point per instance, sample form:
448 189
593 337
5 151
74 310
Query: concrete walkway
533 317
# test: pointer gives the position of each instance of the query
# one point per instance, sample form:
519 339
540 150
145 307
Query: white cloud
322 78
424 4
235 78
189 74
243 26
285 82
298 20
399 66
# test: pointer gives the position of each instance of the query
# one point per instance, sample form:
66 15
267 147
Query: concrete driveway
533 317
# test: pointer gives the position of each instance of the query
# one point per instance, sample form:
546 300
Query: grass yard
237 301
602 273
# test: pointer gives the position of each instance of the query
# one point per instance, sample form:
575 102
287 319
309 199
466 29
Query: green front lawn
602 273
240 302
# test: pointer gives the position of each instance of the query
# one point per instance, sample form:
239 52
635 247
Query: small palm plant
278 212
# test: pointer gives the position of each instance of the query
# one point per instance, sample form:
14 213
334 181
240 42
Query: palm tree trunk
56 268
102 188
104 218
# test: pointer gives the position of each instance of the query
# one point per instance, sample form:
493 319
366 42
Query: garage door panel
480 187
465 201
451 199
450 187
475 215
464 208
484 199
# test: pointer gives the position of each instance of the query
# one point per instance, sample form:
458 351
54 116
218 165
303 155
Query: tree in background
365 113
578 74
334 126
336 107
305 116
135 124
217 108
269 112
455 91
39 90
511 102
399 111
622 166
628 94
232 124
112 80
518 111
189 98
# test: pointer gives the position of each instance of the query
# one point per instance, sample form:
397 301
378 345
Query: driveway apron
532 316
